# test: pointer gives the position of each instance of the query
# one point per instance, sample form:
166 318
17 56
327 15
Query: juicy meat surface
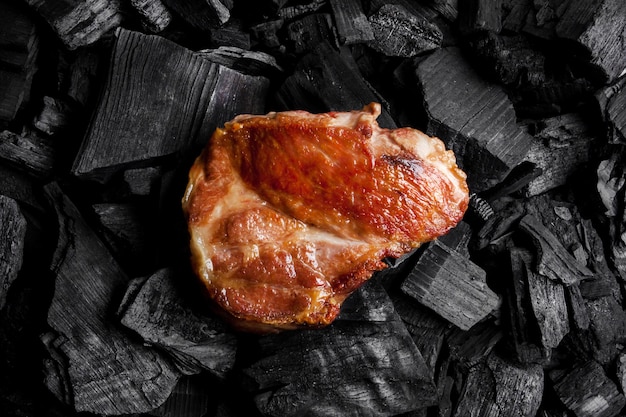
290 212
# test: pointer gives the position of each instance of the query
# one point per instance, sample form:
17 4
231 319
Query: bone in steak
290 212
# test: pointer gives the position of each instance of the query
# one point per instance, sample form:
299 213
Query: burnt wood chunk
600 27
498 387
472 346
299 10
244 61
56 116
95 366
427 329
160 313
480 15
31 154
328 80
155 17
562 146
19 49
612 103
362 364
128 229
451 285
191 398
523 326
13 231
587 391
202 15
397 32
308 31
553 260
79 22
473 117
351 23
137 126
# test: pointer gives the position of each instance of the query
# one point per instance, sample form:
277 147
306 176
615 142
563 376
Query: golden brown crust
290 212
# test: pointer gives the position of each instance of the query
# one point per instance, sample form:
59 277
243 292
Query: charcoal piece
13 231
106 371
502 224
56 116
353 367
480 15
509 59
472 346
599 27
299 10
563 145
188 97
155 17
501 388
577 308
473 117
451 285
399 33
310 30
128 229
549 308
266 33
202 15
514 14
553 260
19 49
83 77
351 23
427 329
142 181
79 23
231 34
328 80
446 8
587 391
612 103
190 398
159 312
522 324
246 62
31 154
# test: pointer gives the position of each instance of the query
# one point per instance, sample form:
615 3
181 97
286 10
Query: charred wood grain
326 79
98 368
201 15
351 23
34 155
19 49
588 23
451 285
587 391
563 145
501 388
397 32
612 103
155 17
553 260
308 31
13 231
354 367
473 117
79 23
160 312
157 103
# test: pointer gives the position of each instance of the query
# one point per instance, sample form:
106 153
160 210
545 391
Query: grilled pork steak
290 212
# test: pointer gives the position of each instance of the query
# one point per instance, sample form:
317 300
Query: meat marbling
290 212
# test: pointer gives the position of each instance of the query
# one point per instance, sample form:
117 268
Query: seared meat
290 212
